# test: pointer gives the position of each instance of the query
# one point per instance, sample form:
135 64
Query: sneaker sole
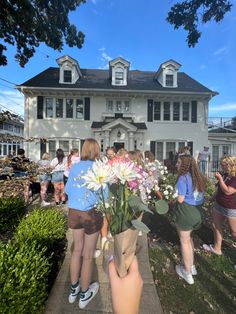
84 304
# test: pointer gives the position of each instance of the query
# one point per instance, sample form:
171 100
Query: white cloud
12 100
223 107
105 58
220 51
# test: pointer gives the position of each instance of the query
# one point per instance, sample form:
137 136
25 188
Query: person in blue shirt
187 215
85 223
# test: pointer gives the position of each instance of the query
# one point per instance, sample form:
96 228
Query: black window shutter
153 147
190 144
40 107
150 110
194 111
42 148
87 108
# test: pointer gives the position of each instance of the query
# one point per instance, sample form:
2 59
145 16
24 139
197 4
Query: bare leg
75 262
43 189
90 241
232 224
186 249
56 191
217 220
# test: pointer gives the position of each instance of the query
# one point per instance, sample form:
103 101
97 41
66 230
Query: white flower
124 171
165 192
99 176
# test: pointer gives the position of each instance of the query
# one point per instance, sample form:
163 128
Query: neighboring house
222 140
11 133
160 110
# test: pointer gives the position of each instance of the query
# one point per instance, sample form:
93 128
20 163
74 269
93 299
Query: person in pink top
225 204
73 158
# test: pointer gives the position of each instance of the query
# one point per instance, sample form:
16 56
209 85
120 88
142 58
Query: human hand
126 291
218 176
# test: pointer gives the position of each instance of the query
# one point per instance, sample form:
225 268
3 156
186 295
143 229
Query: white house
159 110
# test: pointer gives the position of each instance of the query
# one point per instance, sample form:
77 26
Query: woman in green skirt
187 215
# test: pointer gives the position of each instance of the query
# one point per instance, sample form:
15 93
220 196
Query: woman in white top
72 159
44 177
58 166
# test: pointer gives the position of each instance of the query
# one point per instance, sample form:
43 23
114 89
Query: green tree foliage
27 23
190 13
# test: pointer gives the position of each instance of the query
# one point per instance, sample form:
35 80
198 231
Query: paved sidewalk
58 299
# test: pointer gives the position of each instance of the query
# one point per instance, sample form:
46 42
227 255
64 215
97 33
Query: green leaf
136 204
161 207
137 224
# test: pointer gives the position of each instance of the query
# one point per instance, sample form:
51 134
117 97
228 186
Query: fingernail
110 258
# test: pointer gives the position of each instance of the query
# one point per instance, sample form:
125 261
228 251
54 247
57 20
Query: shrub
12 210
43 226
23 278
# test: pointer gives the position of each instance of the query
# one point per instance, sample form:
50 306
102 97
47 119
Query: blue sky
138 31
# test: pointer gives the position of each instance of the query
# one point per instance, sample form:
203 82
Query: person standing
85 223
72 159
225 204
44 177
187 214
203 160
58 165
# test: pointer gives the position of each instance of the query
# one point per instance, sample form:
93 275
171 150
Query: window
176 111
159 150
169 80
64 145
170 150
69 108
118 106
185 111
76 144
49 107
166 111
59 108
157 110
110 106
127 106
1 125
119 76
225 150
79 109
67 76
52 149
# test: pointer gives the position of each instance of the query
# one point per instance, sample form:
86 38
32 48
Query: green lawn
214 290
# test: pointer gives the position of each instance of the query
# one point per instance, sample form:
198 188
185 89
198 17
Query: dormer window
67 76
69 70
119 68
119 76
169 80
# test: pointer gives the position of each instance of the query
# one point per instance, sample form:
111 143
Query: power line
11 110
2 79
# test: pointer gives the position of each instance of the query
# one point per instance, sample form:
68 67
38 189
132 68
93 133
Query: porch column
131 140
107 139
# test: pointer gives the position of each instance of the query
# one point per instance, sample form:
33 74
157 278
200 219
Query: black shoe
63 203
57 203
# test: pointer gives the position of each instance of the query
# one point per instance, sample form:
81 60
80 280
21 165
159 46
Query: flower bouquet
123 190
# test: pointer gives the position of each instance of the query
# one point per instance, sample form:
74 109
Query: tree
190 13
27 23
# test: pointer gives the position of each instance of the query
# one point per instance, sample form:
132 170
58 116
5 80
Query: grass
214 290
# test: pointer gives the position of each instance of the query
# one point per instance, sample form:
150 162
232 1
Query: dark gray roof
99 79
227 129
98 125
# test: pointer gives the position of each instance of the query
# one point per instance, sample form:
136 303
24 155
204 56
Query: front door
119 145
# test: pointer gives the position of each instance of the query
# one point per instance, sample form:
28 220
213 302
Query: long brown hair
90 150
188 164
72 152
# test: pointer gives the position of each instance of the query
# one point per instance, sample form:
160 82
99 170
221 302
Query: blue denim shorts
45 177
227 212
57 176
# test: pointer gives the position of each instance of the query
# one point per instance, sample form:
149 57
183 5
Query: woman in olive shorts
187 215
85 223
225 204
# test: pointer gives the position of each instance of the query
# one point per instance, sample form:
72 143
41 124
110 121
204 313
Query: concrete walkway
57 302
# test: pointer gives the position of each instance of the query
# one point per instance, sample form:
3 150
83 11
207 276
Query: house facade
160 110
11 133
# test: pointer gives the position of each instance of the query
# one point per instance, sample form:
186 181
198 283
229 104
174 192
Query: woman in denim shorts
225 203
44 177
85 223
58 165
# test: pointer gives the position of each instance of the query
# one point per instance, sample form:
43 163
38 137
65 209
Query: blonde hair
230 161
90 150
136 156
46 156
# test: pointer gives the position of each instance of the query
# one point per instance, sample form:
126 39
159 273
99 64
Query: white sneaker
86 297
183 274
193 270
73 293
43 204
97 253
